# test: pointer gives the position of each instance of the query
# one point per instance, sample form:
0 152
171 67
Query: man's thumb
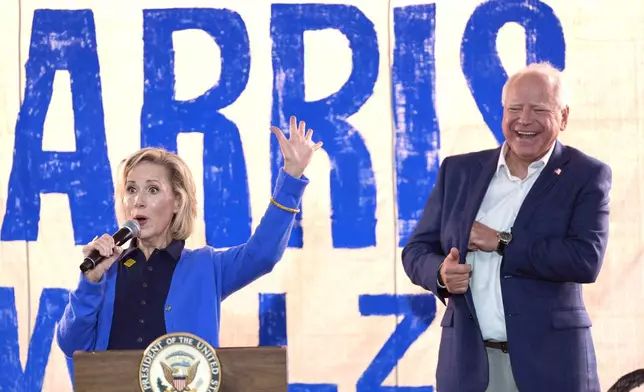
453 255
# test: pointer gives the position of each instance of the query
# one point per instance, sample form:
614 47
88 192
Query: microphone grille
134 227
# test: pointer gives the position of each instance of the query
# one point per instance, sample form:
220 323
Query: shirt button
168 308
145 284
139 339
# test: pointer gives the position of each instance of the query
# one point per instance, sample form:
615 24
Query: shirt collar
538 164
174 248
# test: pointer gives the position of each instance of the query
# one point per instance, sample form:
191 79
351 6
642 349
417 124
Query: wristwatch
504 239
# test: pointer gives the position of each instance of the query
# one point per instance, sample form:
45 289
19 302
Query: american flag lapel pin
557 171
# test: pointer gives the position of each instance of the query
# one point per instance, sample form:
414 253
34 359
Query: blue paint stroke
418 312
414 112
312 388
61 40
50 310
272 332
272 320
480 60
353 187
227 212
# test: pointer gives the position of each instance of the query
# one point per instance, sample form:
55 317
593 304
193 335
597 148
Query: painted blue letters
353 188
65 40
418 312
226 200
480 60
414 112
272 332
50 310
61 40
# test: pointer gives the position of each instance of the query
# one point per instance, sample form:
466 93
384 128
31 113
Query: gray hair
554 75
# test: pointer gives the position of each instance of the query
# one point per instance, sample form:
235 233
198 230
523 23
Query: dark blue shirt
141 291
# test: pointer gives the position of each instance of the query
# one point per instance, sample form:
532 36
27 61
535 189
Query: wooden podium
247 369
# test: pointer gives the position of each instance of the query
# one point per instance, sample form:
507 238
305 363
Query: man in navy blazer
508 236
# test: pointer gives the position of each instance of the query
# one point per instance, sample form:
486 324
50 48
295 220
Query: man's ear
564 118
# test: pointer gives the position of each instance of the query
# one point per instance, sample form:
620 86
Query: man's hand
455 276
483 238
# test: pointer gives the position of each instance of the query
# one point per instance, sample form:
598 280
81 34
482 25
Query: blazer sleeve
241 265
423 253
578 256
77 328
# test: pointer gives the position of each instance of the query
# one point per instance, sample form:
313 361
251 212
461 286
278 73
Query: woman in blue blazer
156 286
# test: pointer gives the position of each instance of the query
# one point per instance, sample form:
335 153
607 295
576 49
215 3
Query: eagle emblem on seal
180 362
179 381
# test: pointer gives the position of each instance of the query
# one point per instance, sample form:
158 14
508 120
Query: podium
245 369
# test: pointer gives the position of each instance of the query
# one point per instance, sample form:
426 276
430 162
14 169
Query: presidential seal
180 362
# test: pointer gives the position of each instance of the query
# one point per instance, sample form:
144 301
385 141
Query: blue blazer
559 241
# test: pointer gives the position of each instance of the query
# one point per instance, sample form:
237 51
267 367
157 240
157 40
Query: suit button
471 317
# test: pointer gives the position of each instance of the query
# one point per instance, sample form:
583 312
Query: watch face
505 237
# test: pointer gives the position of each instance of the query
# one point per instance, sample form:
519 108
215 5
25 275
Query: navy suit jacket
559 240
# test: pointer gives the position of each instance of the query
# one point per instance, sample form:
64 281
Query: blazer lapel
480 176
547 179
479 179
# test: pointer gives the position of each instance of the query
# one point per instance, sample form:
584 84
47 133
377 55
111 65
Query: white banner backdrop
391 89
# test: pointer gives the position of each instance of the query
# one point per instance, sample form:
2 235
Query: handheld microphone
130 229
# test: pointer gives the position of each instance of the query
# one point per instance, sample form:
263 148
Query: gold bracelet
289 209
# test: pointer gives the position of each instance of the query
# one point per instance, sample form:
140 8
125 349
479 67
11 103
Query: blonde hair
544 68
183 187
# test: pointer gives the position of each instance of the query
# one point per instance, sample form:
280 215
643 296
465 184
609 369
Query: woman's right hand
106 247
